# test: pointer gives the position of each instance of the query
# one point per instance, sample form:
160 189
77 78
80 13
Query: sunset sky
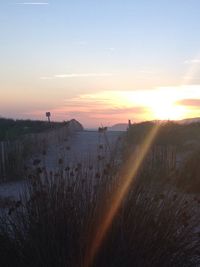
100 61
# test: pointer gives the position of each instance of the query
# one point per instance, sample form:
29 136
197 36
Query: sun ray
128 174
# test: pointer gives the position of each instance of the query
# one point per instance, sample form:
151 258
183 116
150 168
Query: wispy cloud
72 75
33 3
94 111
189 102
192 61
75 75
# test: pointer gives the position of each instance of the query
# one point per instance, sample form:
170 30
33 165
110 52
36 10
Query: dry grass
52 223
189 174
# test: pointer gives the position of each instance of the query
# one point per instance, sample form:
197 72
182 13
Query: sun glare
160 104
165 108
168 111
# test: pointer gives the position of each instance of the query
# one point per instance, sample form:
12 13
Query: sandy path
80 147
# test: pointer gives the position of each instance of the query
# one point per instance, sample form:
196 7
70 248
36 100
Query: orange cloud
189 102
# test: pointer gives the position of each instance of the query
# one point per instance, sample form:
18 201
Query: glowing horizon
110 107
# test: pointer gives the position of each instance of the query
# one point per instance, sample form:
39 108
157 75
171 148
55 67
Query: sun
163 110
163 106
160 104
154 104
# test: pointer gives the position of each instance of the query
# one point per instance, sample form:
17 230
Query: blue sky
61 50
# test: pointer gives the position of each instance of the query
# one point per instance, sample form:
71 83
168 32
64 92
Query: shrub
52 223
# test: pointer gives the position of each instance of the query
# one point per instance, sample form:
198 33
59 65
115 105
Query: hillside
118 127
190 120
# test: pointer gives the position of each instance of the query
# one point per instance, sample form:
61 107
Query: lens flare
127 177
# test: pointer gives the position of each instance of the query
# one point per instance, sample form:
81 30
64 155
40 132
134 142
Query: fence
14 153
163 156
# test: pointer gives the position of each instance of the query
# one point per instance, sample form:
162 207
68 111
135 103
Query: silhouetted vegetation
52 224
12 129
24 138
55 220
170 133
189 174
184 139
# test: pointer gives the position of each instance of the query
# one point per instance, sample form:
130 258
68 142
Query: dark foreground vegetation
170 133
12 129
56 219
177 144
23 139
189 176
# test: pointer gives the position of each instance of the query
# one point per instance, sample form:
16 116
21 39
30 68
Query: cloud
33 3
121 111
103 105
138 104
192 61
189 102
95 115
75 75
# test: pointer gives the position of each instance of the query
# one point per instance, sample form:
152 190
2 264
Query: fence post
3 163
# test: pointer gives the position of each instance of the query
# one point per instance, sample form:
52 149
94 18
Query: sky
100 62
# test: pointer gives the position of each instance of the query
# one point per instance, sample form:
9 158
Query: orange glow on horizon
108 107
